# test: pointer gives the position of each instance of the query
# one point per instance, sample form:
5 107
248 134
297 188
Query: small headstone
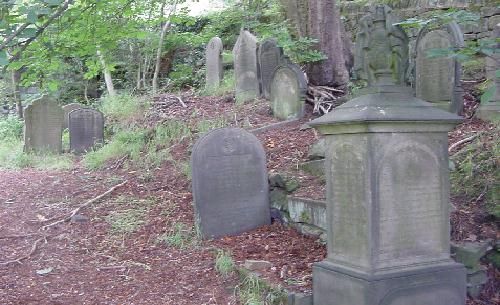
269 56
86 128
490 109
230 186
213 58
245 67
67 109
43 121
437 79
288 91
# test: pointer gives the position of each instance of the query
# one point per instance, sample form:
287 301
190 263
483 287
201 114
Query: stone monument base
437 285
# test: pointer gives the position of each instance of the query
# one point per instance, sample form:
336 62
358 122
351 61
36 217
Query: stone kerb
213 62
86 129
230 185
245 67
288 91
43 121
437 79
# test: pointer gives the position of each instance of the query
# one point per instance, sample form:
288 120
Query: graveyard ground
138 245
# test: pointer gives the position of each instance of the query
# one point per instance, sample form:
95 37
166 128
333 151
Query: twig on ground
89 202
33 250
181 102
456 144
19 236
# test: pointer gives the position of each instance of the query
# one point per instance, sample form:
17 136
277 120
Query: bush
11 128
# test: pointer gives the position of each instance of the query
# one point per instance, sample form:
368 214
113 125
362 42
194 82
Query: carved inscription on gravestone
245 67
288 91
43 121
268 58
411 213
213 58
86 128
230 186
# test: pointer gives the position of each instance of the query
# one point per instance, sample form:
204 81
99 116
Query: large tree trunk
107 75
324 24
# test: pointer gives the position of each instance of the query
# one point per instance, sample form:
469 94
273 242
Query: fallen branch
78 209
33 250
180 101
19 236
454 145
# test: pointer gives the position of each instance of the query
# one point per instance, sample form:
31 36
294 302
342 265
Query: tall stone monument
213 60
245 67
86 129
387 189
269 56
437 79
43 121
230 186
288 91
490 109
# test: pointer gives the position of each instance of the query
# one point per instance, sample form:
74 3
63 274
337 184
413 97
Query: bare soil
89 262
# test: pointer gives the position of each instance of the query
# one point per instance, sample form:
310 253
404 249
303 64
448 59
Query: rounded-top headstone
245 67
288 91
86 129
269 56
230 185
43 121
67 109
213 58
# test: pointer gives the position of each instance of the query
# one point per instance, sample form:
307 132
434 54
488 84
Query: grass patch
224 263
127 221
254 291
122 107
207 125
12 156
181 236
226 86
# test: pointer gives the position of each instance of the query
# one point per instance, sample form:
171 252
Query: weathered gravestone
387 175
437 79
230 186
67 109
43 121
245 67
86 128
269 56
288 91
489 109
213 58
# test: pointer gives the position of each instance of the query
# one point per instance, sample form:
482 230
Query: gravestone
67 109
230 186
490 109
387 175
437 79
288 91
269 56
213 58
43 121
245 67
86 128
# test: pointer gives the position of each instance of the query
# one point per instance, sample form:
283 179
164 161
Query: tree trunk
16 78
164 30
324 24
107 75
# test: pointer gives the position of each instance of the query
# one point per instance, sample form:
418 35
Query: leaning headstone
230 186
437 79
245 67
288 91
489 109
43 121
86 129
67 109
213 59
269 56
387 176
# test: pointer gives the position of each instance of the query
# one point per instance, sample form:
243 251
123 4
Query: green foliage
204 126
254 291
121 107
437 18
126 143
12 156
477 174
11 129
181 236
127 221
226 86
224 263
